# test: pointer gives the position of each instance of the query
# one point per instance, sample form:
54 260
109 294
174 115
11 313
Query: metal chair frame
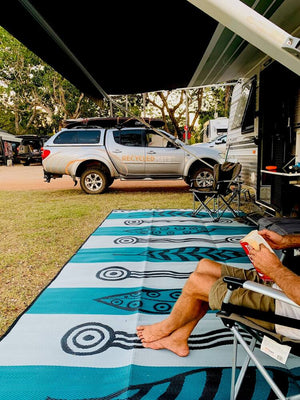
234 322
219 190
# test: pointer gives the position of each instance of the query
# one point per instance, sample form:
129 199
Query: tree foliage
33 97
202 104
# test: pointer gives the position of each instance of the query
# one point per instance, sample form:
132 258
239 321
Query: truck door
126 148
162 157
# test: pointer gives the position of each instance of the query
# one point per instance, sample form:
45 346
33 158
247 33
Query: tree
33 97
203 104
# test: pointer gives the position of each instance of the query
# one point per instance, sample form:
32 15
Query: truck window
156 140
78 137
88 137
66 137
132 138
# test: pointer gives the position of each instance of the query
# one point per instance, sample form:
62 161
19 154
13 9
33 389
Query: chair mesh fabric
224 175
249 325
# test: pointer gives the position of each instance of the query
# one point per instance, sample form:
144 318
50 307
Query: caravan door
279 96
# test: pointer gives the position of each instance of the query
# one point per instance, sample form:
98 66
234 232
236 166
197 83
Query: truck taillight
45 153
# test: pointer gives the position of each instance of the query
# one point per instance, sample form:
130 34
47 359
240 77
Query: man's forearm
291 241
288 281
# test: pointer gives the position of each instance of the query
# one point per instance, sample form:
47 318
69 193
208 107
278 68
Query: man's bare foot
150 333
172 342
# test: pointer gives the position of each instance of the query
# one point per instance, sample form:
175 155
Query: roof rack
84 127
111 122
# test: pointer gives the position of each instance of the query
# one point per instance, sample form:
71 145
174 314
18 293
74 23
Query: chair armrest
234 283
268 291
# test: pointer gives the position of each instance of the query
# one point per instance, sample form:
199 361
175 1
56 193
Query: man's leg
177 341
190 307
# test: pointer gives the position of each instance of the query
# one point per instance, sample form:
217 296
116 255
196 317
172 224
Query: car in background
29 150
218 144
100 150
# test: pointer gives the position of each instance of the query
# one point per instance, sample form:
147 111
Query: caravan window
245 110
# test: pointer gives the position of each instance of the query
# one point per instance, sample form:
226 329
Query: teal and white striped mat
77 341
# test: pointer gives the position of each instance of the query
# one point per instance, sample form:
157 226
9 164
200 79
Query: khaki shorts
241 296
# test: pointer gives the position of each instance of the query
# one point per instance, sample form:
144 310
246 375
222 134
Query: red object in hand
252 241
247 247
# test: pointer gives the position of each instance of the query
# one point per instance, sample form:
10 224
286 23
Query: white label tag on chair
275 350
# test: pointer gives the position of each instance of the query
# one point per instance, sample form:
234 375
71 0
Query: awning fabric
136 47
128 47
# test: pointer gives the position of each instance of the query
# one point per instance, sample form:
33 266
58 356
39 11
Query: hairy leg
176 341
190 306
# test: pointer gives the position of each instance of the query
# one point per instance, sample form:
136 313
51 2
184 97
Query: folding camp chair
226 183
236 317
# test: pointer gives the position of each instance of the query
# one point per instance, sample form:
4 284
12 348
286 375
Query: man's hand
265 261
275 240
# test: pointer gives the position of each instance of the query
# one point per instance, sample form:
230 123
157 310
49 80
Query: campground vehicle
214 128
29 150
8 147
100 150
264 136
218 144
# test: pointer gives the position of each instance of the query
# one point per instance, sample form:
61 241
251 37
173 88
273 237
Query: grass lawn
41 230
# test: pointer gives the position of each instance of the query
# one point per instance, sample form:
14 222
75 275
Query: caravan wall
242 136
264 131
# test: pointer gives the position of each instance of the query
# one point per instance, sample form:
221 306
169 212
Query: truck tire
93 181
202 177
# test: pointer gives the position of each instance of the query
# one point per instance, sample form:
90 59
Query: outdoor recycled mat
78 341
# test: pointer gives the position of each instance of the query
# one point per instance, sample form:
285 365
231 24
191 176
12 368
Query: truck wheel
93 181
202 177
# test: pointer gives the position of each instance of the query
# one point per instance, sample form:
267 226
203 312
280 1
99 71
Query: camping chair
226 183
236 317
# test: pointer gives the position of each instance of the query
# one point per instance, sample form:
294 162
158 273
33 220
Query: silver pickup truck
98 152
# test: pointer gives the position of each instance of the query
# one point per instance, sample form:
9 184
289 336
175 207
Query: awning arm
44 24
256 29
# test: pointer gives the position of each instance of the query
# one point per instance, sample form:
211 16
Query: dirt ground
20 177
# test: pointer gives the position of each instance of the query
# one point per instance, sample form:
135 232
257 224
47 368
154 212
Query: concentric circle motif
234 239
116 302
87 339
126 240
135 305
153 294
175 295
113 273
162 307
133 222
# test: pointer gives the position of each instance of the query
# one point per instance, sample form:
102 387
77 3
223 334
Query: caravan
264 135
214 129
